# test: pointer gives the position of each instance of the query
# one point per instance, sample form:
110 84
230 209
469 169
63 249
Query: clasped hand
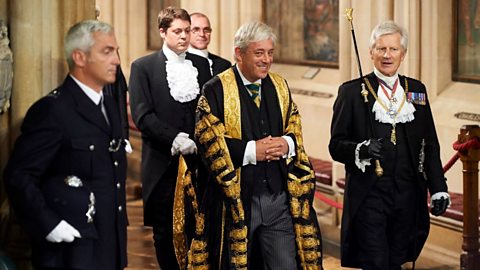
271 148
183 145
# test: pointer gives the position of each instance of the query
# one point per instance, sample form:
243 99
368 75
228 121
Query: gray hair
80 36
386 28
253 32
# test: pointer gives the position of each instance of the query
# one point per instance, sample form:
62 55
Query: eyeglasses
197 30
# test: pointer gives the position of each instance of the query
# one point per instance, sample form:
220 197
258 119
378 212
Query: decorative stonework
6 68
468 116
310 93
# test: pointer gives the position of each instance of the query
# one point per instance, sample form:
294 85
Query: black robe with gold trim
222 130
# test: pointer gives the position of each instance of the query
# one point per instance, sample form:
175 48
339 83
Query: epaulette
353 81
54 93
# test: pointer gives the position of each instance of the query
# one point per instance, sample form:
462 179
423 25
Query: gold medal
393 135
389 110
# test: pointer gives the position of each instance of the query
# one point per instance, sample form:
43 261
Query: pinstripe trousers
271 234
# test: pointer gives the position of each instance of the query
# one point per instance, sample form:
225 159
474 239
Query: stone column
36 33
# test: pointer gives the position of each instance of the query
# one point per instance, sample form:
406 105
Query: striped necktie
254 89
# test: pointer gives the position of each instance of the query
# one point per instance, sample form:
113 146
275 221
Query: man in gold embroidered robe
258 203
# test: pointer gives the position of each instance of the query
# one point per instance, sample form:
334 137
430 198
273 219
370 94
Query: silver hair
252 32
386 28
80 36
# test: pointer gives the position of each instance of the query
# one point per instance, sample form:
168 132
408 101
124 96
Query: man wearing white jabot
164 90
200 35
385 118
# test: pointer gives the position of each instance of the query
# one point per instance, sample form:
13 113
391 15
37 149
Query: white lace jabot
404 115
181 76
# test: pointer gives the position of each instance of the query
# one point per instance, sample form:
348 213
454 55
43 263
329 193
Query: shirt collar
171 55
202 53
390 80
92 94
245 81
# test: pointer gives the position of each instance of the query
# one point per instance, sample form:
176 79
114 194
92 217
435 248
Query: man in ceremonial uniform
66 176
164 90
385 118
258 202
200 36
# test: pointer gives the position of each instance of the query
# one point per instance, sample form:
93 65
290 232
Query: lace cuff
361 163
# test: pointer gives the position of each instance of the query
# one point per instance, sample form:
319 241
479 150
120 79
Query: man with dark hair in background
164 90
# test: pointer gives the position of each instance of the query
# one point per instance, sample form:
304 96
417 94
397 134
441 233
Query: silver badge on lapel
73 181
421 158
91 208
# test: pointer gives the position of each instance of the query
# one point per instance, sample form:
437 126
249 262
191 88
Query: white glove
128 146
63 232
188 147
439 196
177 142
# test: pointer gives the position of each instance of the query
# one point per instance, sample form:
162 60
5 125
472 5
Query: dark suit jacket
351 125
219 64
65 134
160 118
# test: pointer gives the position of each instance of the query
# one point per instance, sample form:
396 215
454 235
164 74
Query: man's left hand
440 203
188 147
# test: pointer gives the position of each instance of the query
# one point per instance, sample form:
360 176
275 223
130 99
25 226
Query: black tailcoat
219 64
352 124
65 134
160 118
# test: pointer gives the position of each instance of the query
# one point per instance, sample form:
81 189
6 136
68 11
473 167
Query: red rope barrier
460 147
472 143
327 200
450 163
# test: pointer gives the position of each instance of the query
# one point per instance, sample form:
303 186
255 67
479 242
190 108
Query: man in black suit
66 176
200 35
385 220
164 90
260 191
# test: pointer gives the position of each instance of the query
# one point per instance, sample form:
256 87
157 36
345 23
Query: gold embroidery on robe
212 133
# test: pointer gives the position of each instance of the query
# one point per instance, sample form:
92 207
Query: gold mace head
348 14
364 93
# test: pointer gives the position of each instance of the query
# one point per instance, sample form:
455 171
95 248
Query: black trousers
385 224
160 211
271 234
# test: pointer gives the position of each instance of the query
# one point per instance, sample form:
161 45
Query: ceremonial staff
364 92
